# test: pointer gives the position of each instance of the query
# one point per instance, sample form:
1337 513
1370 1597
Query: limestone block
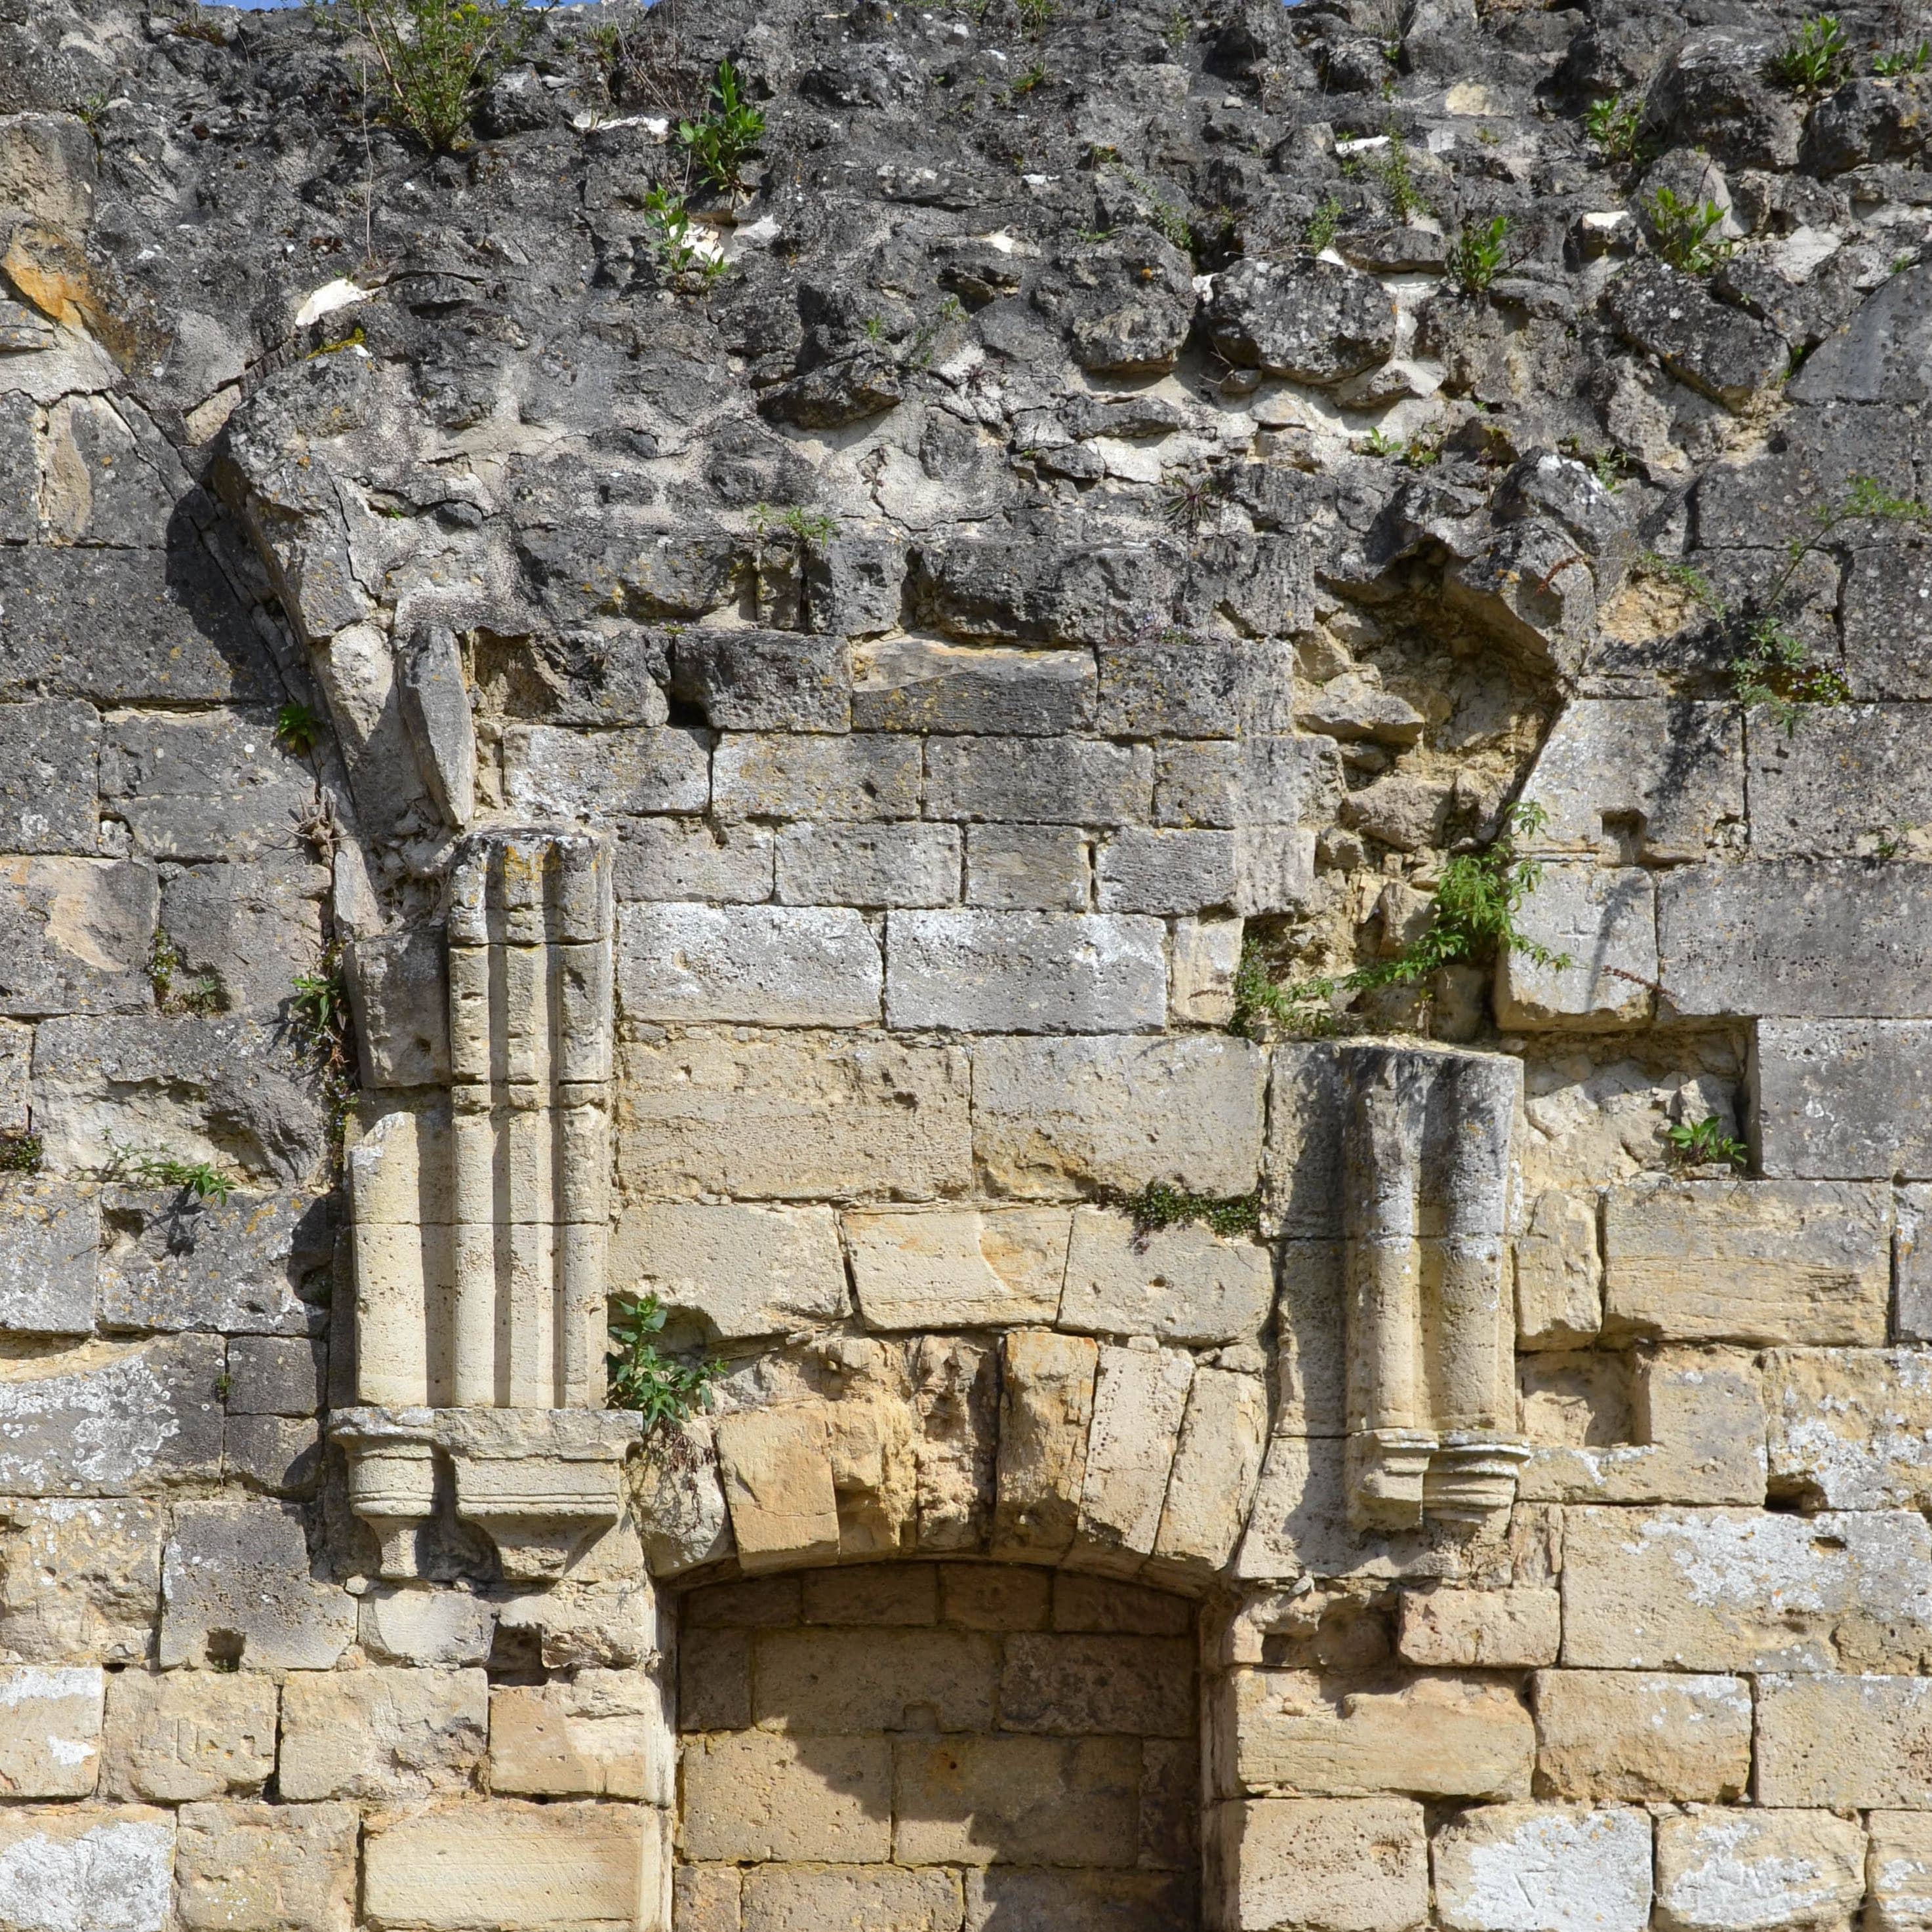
999 1597
16 1070
211 785
1603 922
1449 1629
107 1417
1632 1734
1699 1416
783 1898
914 684
832 1681
48 169
1183 1284
1302 1176
1046 1410
1255 868
1040 781
75 935
1849 1099
381 1731
86 1866
753 680
483 1865
1047 868
399 993
603 1735
957 1267
1544 1868
693 859
50 750
759 1795
1728 1589
50 1722
1198 687
1846 1742
1216 1465
978 1801
249 928
814 1116
1310 1336
706 1898
871 775
1792 936
235 1589
1052 1117
1669 768
872 1593
611 1625
777 1468
1140 1396
80 1581
1077 1900
1248 781
1851 1428
184 1735
268 1376
49 1237
551 773
239 1266
1323 1864
740 1271
1899 1871
1074 1685
1800 781
956 1406
1716 1871
680 1503
1203 957
1559 1274
1300 1521
896 865
978 971
1765 1262
266 1868
761 965
280 1453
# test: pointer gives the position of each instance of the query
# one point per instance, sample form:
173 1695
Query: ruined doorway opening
956 1747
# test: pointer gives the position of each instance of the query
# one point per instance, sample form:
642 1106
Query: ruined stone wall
886 794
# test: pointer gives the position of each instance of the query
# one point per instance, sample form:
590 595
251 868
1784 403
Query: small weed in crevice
1158 1205
200 995
1683 231
1814 59
1902 61
318 1012
201 1178
1704 1143
724 137
21 1152
1322 224
297 729
1613 123
663 1390
680 250
1477 255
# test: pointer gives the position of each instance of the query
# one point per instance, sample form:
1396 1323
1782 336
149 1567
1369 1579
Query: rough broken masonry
1172 764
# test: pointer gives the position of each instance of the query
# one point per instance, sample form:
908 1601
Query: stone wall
531 772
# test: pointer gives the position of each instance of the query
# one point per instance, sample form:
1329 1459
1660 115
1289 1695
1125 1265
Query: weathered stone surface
1634 1736
1257 869
1719 351
1045 868
1448 1629
1728 1589
1046 1409
767 965
80 1581
868 776
1544 1868
957 1267
49 751
381 1732
1805 1869
1844 1099
1844 1741
1183 1284
1312 321
750 680
1077 1900
203 786
551 773
184 1735
1604 923
1760 1262
1330 1865
1196 688
86 1865
1216 1464
913 684
1052 1117
50 1722
1801 782
694 859
760 1794
706 1898
813 1117
266 1868
979 1801
1559 1274
1062 781
76 935
236 1588
777 1468
470 1866
1074 1686
603 1735
780 1898
895 865
241 1266
1025 972
832 1681
248 928
1851 1428
741 1270
1792 937
47 1252
1139 1397
1899 1869
420 1625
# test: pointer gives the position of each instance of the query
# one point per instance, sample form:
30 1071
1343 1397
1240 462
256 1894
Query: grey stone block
1302 1198
1049 781
217 785
280 1453
399 993
251 927
911 684
1196 688
1046 867
1254 781
1843 1099
435 709
235 1590
269 1376
551 771
759 965
1806 465
1887 602
890 865
49 754
1792 938
1911 1264
748 680
1722 352
853 584
20 470
1260 868
1025 972
870 775
1882 354
694 859
76 936
1604 921
1311 321
1847 773
107 1419
238 1267
49 1240
1067 594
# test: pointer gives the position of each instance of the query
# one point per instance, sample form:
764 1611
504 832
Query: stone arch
937 1745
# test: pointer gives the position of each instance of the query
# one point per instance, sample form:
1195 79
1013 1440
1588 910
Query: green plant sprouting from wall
1478 254
663 1389
722 138
319 1018
676 247
1473 917
21 1152
140 1168
1684 231
1159 1205
200 995
1702 1143
1815 58
1614 123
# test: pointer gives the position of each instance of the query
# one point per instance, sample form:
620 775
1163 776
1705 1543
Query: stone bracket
542 1484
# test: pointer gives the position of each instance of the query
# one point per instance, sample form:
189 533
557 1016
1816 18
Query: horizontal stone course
763 965
1050 780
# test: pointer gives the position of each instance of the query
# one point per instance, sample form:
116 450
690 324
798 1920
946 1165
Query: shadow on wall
938 1745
